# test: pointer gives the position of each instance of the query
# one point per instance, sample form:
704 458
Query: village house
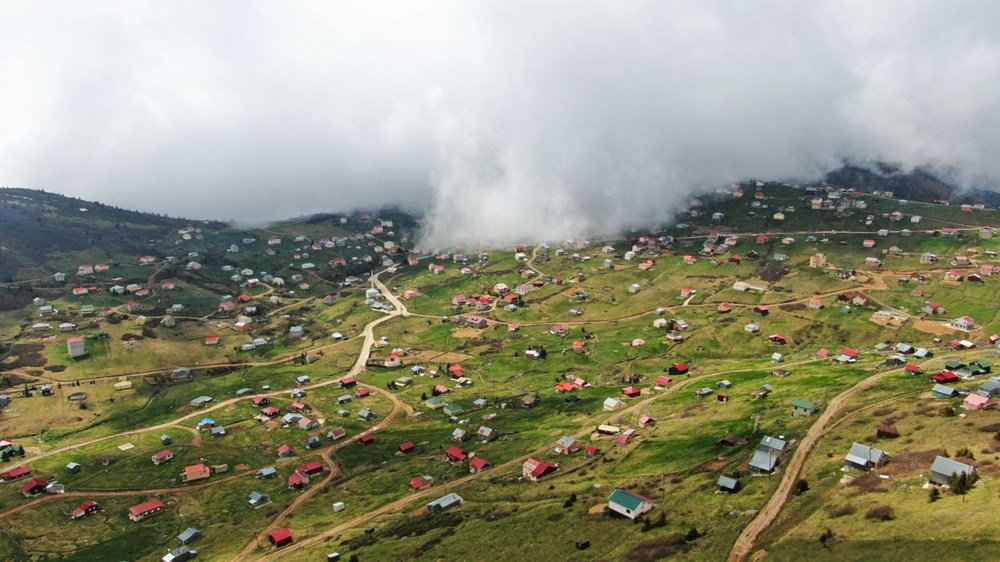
977 401
566 446
195 472
162 457
629 504
965 323
445 503
281 537
258 499
943 391
943 468
478 464
863 457
84 509
534 469
146 509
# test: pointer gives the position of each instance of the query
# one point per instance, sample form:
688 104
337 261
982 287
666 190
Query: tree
825 537
960 483
801 487
933 495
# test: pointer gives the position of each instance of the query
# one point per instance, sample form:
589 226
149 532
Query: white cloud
503 120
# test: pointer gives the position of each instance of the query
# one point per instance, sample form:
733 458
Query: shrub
867 483
961 483
841 511
657 549
933 495
965 452
801 486
880 513
826 537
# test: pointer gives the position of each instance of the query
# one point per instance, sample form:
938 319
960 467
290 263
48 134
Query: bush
880 513
801 487
826 537
933 495
657 549
841 511
948 412
570 501
965 452
961 483
867 483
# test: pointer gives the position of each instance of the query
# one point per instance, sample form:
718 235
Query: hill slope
37 226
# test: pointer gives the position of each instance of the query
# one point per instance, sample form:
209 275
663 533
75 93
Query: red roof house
533 469
679 368
407 447
145 509
421 482
163 456
16 473
367 439
85 508
34 487
297 481
663 380
947 376
456 454
631 391
310 468
281 537
565 387
478 463
285 451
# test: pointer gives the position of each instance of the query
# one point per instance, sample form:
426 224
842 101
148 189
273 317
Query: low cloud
500 121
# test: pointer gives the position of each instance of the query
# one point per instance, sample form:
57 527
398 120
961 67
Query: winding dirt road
766 516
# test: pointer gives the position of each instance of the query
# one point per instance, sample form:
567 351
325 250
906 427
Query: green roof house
453 410
435 403
802 407
629 504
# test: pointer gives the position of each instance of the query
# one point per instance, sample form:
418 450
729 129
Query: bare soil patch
911 462
25 355
936 328
439 356
467 333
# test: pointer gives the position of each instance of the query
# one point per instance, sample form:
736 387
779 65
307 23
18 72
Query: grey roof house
773 444
764 461
863 457
445 503
943 468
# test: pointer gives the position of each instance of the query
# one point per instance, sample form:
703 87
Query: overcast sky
502 121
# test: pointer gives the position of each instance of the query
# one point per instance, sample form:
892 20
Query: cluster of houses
956 371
